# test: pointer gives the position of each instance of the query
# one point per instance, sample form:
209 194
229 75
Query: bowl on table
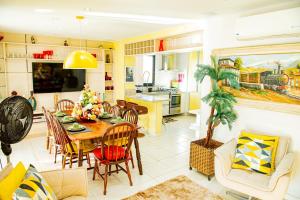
105 115
68 119
76 127
117 120
60 114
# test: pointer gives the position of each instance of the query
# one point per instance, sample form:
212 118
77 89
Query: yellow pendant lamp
80 59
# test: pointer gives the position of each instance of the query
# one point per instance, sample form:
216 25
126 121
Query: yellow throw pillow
256 153
33 187
10 183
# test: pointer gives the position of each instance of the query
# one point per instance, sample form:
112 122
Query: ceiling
118 19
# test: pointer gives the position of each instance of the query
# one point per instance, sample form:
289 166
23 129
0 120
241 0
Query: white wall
219 33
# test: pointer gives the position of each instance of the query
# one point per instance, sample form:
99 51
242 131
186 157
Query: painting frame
263 50
129 74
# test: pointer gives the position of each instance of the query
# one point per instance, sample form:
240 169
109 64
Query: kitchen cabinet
175 61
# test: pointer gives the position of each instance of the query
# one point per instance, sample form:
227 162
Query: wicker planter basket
202 158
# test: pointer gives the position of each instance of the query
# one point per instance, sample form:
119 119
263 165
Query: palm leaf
203 71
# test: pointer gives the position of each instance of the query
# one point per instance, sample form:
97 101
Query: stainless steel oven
175 103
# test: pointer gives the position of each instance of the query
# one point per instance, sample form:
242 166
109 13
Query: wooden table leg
80 153
138 155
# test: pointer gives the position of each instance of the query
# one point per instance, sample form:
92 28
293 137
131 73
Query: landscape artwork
266 77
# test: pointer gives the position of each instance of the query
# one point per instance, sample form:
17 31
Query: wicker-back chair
64 105
114 150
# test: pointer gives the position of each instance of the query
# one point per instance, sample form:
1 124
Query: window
148 70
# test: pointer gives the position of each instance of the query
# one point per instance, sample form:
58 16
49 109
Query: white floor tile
164 157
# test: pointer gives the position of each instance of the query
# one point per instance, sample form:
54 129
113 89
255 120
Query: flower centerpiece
89 106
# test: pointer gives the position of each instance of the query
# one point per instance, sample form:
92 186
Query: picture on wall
265 77
129 74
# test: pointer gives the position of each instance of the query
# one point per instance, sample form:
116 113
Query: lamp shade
80 60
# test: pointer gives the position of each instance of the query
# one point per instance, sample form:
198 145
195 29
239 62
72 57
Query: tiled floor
163 157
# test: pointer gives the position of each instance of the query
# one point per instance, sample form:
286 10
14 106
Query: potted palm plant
221 112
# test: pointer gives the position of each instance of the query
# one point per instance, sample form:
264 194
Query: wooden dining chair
106 106
116 111
131 116
121 103
53 140
49 135
68 149
114 150
64 105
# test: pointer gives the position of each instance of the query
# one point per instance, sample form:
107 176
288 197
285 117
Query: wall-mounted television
50 77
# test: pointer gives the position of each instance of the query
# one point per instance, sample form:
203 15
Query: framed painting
269 75
129 74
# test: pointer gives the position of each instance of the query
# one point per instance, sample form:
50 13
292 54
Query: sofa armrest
67 182
225 154
285 167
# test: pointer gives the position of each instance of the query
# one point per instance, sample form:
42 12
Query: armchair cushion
68 183
256 153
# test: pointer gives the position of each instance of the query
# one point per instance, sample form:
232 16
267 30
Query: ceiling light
42 10
80 59
141 18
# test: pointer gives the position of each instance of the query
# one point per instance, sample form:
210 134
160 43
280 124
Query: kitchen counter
152 122
150 97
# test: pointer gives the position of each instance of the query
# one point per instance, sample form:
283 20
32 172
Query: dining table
95 131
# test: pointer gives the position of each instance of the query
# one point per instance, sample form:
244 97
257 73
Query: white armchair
251 183
67 184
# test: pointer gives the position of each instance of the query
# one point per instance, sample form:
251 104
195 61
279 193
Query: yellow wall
120 53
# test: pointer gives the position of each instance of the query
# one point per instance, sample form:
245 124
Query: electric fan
15 122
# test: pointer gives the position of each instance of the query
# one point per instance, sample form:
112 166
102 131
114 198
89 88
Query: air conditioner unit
283 23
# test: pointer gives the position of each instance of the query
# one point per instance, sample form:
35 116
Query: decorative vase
161 45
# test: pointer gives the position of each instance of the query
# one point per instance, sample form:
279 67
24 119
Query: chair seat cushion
111 153
250 178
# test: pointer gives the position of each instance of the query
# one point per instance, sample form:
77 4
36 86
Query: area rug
180 187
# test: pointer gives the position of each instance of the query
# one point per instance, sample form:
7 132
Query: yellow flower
93 117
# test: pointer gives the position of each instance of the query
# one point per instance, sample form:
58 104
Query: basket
202 158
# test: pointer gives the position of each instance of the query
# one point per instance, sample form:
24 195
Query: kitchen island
152 121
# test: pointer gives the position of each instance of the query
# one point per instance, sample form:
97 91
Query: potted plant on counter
221 112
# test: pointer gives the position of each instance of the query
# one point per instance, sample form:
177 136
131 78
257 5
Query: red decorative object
161 45
180 77
1 37
95 55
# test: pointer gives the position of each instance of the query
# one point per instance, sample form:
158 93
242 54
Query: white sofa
251 183
67 184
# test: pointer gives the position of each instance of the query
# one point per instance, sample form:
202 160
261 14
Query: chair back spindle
64 105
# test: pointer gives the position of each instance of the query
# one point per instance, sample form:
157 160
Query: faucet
147 80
